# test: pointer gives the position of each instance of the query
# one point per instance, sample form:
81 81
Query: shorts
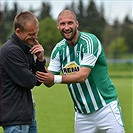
106 120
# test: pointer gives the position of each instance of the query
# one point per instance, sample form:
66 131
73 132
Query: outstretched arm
49 79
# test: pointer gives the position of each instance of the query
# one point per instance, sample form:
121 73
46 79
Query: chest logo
71 68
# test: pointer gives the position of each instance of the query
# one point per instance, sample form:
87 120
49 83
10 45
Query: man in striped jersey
81 58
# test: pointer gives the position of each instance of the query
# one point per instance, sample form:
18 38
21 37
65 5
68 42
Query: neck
74 40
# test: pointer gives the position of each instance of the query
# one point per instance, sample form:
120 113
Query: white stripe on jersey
87 44
61 43
83 97
99 48
74 96
102 100
91 94
55 67
87 38
88 59
68 55
75 50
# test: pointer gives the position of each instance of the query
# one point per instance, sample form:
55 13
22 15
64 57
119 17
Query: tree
81 15
8 16
0 17
48 34
118 47
111 33
116 29
72 7
91 19
6 25
95 21
127 32
44 11
14 11
102 22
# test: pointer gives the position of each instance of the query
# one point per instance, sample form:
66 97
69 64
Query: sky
113 8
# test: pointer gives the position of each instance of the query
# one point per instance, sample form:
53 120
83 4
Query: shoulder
58 49
90 38
60 45
10 49
86 36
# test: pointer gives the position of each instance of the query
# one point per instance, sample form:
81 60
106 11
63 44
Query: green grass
124 89
122 77
55 113
54 107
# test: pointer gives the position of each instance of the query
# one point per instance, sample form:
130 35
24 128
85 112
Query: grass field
54 107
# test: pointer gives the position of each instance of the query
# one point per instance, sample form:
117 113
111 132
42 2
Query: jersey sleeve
55 64
91 52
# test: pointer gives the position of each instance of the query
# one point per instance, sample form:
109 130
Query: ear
77 23
57 25
17 30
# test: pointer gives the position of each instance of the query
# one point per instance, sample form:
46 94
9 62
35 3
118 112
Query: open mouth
67 33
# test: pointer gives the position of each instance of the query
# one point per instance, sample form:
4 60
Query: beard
73 33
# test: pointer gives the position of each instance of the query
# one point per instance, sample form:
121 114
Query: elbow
82 79
31 84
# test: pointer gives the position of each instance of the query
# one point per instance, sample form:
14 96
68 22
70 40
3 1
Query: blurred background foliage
117 38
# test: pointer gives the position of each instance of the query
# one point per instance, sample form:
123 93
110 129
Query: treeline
117 38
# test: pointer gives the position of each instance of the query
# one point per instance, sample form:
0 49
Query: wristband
57 78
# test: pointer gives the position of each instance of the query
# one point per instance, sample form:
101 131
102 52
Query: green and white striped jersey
98 89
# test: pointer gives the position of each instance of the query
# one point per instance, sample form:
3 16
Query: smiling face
29 34
26 27
67 25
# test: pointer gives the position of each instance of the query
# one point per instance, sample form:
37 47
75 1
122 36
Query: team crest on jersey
70 68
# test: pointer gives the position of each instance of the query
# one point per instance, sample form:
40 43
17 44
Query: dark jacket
17 78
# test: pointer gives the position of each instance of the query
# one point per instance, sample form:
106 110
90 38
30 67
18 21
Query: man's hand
38 50
46 78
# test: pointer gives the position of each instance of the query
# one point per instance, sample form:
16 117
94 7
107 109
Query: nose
66 26
35 36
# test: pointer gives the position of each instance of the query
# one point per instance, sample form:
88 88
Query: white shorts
106 120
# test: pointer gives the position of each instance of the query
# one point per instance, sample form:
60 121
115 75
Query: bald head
68 26
66 13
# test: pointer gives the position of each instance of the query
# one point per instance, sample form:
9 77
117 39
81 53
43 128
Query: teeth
67 32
